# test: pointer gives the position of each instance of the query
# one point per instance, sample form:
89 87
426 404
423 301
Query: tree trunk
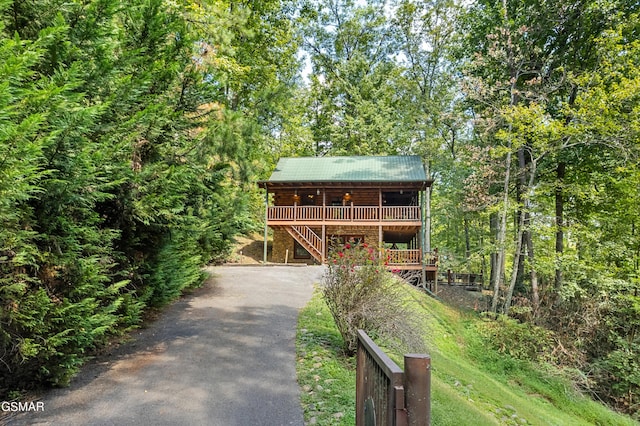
535 293
560 174
516 262
493 230
467 243
502 232
524 236
521 185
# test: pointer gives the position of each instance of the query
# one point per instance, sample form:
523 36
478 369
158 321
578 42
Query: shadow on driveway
223 355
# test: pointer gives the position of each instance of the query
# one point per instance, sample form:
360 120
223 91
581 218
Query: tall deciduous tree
549 86
543 46
355 107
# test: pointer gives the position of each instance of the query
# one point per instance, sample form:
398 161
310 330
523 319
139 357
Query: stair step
298 233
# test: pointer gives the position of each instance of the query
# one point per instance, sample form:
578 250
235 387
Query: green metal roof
404 168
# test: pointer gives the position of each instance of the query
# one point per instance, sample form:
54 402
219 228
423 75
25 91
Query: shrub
598 321
362 294
520 340
173 269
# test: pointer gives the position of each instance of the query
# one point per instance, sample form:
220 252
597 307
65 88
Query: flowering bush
362 294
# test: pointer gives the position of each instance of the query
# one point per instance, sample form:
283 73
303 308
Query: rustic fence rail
470 280
387 396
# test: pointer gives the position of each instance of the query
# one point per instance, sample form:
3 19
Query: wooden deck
410 259
367 215
298 221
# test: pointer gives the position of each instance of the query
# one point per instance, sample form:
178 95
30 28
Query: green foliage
552 86
518 340
379 82
175 269
604 316
128 138
472 383
618 376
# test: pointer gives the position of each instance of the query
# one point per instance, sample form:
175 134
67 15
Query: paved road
224 355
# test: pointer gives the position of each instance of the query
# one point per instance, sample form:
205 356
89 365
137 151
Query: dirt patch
460 297
133 364
249 249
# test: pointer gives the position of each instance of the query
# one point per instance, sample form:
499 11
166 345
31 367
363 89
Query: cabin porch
400 247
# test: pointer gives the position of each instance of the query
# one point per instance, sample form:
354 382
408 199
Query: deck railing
365 213
309 237
336 213
344 213
386 395
309 212
401 213
403 257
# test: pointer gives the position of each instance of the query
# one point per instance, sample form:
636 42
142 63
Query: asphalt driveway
224 355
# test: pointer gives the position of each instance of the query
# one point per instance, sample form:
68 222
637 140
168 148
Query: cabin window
400 198
300 252
340 240
308 200
353 239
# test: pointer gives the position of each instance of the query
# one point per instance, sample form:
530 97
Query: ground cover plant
326 378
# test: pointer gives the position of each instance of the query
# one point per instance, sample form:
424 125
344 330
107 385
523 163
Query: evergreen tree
125 159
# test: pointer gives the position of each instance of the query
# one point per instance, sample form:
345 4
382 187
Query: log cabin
313 203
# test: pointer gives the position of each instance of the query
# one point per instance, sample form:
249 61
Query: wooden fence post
417 373
387 396
360 382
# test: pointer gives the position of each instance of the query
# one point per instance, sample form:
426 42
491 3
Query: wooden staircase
307 239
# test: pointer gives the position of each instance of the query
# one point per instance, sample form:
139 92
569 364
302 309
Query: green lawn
471 384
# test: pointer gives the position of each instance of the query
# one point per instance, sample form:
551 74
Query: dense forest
132 134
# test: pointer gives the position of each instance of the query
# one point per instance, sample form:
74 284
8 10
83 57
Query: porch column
266 220
324 204
427 220
380 245
324 225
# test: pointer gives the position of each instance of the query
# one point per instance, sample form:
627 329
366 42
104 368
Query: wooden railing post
417 385
387 396
360 383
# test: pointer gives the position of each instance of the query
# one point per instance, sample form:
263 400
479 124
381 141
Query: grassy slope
471 385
